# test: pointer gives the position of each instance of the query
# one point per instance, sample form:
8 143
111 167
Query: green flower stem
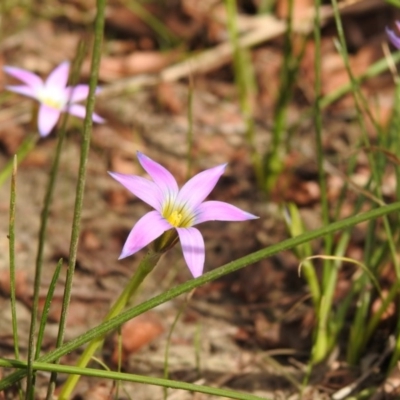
242 262
27 145
120 376
86 138
146 266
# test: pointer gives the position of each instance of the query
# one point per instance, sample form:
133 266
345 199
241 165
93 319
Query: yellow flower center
174 218
52 103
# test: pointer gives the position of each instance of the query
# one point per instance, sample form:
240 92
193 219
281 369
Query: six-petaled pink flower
176 208
395 39
54 95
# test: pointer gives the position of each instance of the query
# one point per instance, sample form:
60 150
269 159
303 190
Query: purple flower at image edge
53 95
176 208
395 39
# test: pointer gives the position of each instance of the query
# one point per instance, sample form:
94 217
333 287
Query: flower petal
199 187
220 211
143 188
75 109
160 175
193 249
58 78
80 111
47 119
393 38
29 78
24 90
96 118
148 228
77 93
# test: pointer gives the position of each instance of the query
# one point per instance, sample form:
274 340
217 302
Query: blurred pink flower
53 95
176 208
395 39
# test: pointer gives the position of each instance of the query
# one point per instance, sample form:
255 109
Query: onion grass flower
395 39
175 208
53 95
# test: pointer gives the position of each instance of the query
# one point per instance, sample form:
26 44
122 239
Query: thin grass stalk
42 239
11 250
351 165
328 240
46 307
355 90
273 159
325 338
39 261
329 274
362 306
147 380
164 33
339 318
87 130
146 266
245 82
119 361
210 276
358 324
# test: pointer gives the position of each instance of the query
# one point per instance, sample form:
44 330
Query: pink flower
53 95
393 37
176 208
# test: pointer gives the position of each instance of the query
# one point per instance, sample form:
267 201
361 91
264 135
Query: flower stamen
175 218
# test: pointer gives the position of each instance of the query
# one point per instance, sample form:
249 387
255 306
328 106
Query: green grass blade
11 239
242 262
46 307
167 383
11 243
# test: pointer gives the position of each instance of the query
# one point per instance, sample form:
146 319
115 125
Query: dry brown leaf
301 8
169 98
137 333
139 62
